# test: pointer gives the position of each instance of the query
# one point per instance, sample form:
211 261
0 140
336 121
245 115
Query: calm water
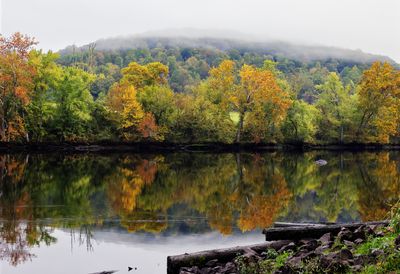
93 212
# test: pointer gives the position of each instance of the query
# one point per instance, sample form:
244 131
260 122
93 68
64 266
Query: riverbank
363 248
185 147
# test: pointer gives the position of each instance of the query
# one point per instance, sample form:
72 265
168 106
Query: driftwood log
174 263
287 224
310 231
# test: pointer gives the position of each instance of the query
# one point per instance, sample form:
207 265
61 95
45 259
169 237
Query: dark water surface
64 213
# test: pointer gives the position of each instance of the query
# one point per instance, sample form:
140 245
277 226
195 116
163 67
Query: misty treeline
178 94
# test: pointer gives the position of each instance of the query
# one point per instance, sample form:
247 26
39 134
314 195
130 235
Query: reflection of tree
18 228
125 185
379 186
263 209
214 186
154 193
27 185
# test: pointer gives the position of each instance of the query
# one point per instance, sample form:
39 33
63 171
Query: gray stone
377 253
358 241
211 263
290 246
345 254
326 238
320 250
349 244
345 234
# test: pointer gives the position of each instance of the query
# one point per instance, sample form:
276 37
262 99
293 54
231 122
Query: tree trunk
341 134
240 127
311 231
174 263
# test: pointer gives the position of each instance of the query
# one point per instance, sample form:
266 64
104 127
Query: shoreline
187 147
307 248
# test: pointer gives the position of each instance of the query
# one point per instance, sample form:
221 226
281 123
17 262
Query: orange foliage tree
16 84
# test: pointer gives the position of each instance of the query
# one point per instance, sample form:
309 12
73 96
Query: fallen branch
310 231
174 263
287 224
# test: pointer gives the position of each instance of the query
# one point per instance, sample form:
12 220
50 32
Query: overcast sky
370 25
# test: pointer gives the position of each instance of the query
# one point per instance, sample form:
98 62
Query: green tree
46 81
300 123
73 105
336 105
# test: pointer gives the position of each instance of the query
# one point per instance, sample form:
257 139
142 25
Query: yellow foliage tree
259 93
125 110
145 75
378 99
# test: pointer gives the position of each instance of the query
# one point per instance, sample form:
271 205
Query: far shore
212 147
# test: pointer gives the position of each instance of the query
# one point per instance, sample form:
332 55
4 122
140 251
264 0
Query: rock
216 269
205 270
358 241
290 246
321 162
345 254
325 239
338 266
360 232
379 234
345 234
356 268
362 260
229 268
363 231
294 262
320 250
211 263
189 270
369 231
327 260
251 256
377 253
349 244
309 245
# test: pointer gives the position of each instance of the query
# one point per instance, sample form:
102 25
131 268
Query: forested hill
190 58
277 49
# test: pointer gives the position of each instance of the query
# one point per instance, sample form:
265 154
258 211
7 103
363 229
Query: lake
84 213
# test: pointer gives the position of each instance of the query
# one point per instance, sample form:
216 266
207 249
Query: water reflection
175 194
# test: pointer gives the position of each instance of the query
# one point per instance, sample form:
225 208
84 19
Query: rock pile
328 254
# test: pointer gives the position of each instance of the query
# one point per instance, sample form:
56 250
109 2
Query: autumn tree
125 110
16 75
160 102
378 103
260 98
140 76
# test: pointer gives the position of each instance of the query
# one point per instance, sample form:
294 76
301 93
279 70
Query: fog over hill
228 40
